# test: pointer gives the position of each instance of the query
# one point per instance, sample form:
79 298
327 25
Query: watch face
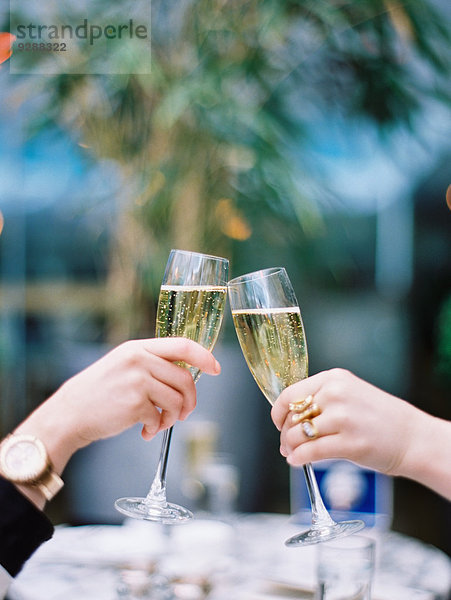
23 460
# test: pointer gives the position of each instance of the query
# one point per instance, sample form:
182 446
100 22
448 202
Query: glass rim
260 274
191 252
350 543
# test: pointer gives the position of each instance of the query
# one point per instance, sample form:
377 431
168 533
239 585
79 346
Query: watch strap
50 485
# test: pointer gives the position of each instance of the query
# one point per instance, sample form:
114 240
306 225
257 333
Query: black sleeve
23 528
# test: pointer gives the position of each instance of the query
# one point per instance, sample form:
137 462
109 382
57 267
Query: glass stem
320 516
157 492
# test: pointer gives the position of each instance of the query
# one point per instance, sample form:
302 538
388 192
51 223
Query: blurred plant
206 143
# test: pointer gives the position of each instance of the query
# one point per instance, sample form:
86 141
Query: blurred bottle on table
212 481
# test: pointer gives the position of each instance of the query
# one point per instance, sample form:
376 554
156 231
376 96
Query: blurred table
243 558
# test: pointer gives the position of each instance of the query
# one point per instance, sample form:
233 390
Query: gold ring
310 429
310 412
300 405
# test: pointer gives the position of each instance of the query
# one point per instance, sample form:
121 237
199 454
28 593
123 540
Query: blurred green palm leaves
206 143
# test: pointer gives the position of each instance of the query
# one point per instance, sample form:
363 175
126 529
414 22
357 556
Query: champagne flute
191 304
269 327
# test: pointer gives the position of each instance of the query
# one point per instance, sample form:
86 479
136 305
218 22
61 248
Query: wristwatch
24 460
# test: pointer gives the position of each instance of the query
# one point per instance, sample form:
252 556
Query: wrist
49 423
417 430
428 457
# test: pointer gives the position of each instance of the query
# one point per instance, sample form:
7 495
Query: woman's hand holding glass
366 425
136 382
358 421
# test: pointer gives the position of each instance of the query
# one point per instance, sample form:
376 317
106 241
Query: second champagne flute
191 305
269 327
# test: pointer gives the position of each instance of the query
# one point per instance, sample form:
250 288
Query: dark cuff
23 528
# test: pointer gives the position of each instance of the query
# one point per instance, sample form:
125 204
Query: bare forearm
428 459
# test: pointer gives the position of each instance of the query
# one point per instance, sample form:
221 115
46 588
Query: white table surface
243 558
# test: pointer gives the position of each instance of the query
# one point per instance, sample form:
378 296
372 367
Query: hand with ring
334 414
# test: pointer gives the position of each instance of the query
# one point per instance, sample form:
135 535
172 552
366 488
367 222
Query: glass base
139 508
319 534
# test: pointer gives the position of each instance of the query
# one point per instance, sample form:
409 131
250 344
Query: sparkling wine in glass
191 305
269 327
